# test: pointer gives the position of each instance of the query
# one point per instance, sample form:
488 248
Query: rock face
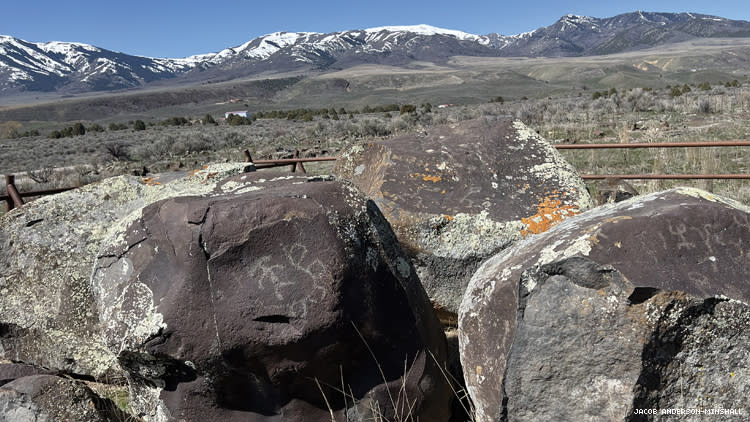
47 249
274 298
636 305
614 190
591 346
42 398
11 371
462 192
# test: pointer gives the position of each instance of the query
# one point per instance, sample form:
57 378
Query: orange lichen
550 211
150 181
433 179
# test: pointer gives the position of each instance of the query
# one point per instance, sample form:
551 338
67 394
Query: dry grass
630 116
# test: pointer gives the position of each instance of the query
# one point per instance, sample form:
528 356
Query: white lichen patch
466 235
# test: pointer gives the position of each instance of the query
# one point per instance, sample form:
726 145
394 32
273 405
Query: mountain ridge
71 68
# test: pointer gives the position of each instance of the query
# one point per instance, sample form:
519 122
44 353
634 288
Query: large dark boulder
460 193
42 398
633 305
47 249
278 297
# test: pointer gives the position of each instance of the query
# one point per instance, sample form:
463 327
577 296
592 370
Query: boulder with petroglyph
47 249
459 193
276 297
643 301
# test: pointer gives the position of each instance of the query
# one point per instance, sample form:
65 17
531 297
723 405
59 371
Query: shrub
139 125
209 120
96 127
237 120
704 105
408 108
78 129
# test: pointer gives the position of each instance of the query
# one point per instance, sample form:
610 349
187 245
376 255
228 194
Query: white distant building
242 113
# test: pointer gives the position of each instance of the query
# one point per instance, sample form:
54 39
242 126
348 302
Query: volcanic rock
462 192
626 306
47 249
40 398
277 297
11 371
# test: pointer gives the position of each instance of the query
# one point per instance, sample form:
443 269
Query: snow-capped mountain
575 35
75 67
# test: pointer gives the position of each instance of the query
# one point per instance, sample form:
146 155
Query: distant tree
686 89
209 120
237 120
55 134
79 129
139 125
408 108
675 91
96 127
427 107
596 95
705 86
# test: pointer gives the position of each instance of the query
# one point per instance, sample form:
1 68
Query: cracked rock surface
48 317
460 193
263 301
636 305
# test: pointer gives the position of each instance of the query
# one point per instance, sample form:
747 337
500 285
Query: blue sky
169 28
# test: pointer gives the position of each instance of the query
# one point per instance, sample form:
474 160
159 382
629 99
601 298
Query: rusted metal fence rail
666 176
294 163
661 145
656 145
13 198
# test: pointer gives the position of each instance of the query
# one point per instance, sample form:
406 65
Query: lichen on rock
462 192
